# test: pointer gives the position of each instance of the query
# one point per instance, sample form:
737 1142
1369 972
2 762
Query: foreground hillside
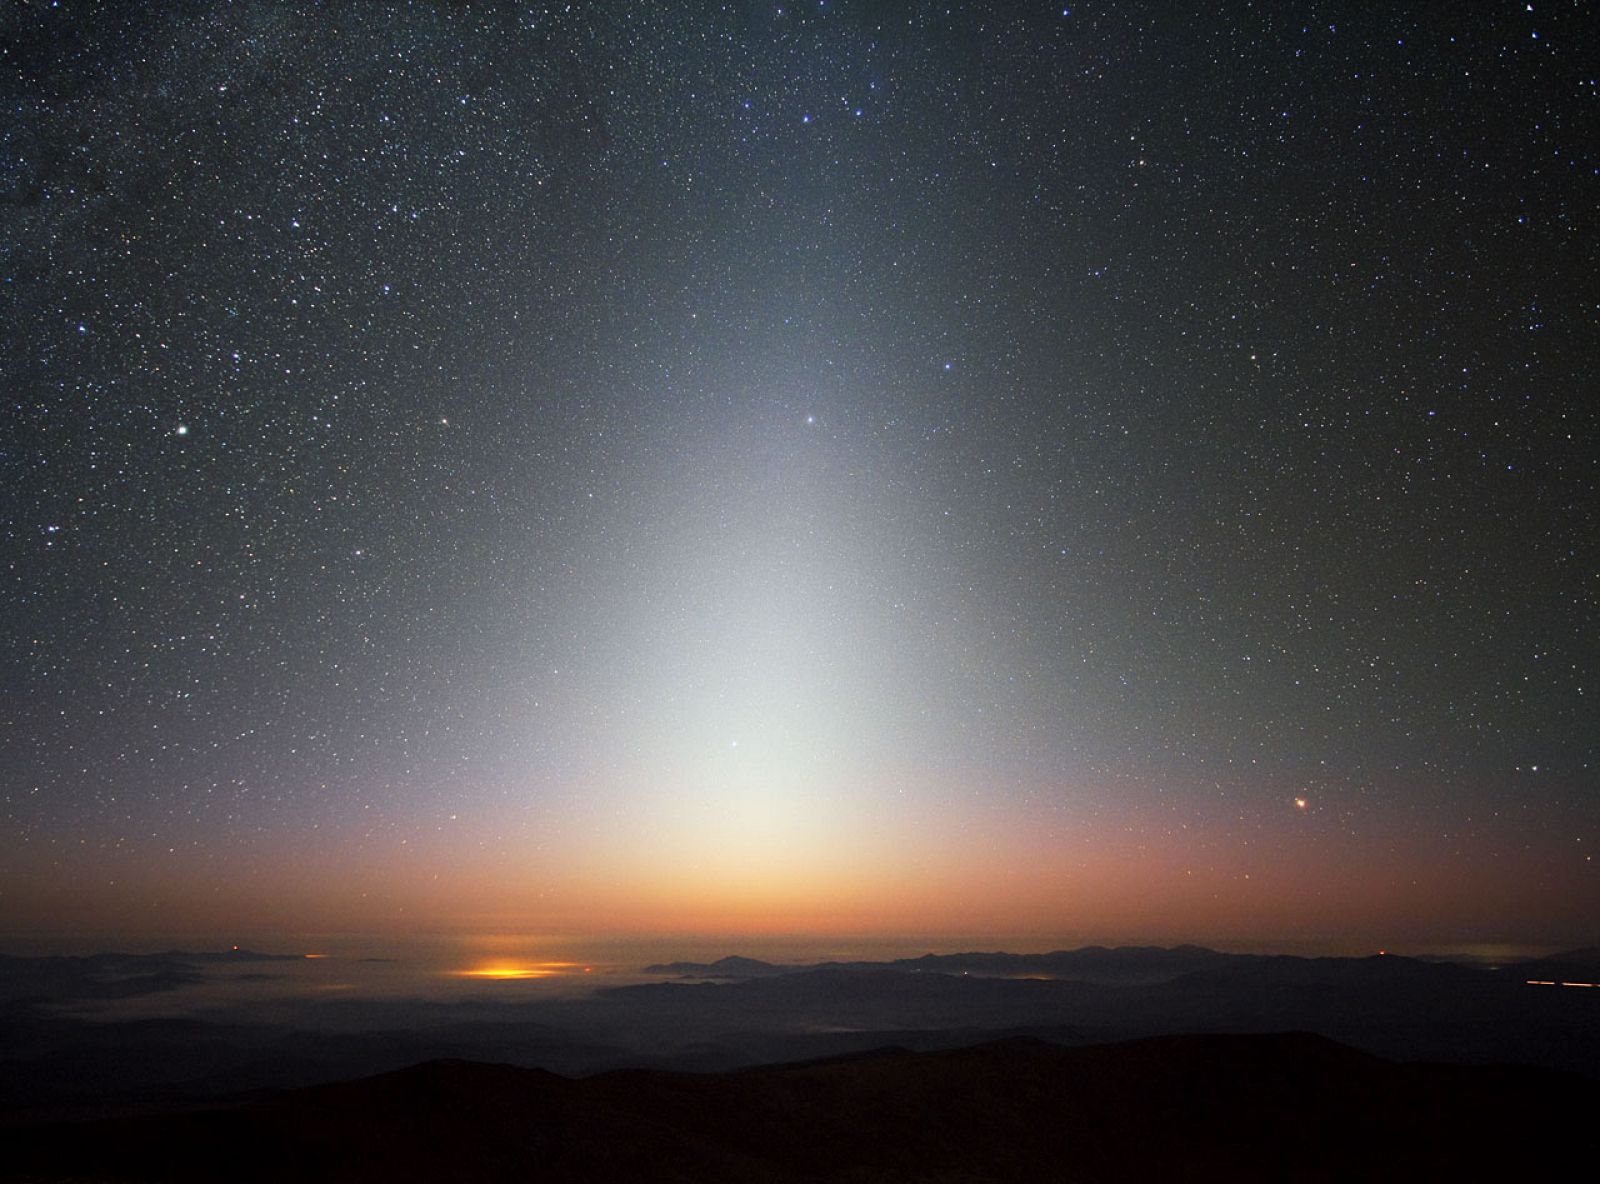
1208 1107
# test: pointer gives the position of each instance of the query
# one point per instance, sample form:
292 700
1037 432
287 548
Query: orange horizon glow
505 971
1004 874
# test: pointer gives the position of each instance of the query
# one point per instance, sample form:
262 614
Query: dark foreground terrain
74 1044
1218 1107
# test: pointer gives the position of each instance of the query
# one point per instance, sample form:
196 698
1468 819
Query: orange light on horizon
503 971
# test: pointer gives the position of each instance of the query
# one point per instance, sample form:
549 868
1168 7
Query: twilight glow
1100 474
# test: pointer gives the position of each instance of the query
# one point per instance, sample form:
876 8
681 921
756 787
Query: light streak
504 971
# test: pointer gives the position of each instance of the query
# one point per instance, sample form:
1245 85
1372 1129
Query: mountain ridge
1204 1106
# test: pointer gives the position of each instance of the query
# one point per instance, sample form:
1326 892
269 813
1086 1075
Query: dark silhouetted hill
732 966
1571 966
1234 1108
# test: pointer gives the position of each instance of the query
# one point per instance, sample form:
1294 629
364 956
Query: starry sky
1112 470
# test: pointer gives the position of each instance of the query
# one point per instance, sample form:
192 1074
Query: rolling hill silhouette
1288 1106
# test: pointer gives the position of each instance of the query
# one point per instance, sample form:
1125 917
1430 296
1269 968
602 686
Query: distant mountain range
1235 1108
1125 964
64 1051
114 976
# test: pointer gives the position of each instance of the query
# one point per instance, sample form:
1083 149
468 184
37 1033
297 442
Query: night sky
1095 471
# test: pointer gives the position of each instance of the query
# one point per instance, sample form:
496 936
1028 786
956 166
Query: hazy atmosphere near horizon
856 472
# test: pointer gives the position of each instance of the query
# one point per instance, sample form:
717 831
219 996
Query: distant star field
1119 471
